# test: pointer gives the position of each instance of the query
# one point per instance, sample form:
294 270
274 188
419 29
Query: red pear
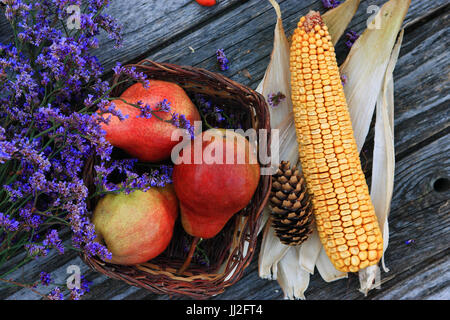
212 191
136 227
149 139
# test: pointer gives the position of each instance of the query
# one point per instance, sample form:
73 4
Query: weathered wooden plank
145 22
145 25
433 273
238 35
5 31
249 26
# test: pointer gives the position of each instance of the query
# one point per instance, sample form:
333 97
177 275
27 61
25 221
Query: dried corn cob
345 216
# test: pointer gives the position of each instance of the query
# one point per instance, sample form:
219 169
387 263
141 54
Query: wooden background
182 32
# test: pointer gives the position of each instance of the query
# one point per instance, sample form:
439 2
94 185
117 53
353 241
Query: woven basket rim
246 227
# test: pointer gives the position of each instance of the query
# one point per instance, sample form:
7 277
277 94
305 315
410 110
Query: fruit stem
187 262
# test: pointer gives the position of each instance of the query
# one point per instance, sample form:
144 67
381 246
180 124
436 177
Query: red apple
149 139
206 3
211 192
136 227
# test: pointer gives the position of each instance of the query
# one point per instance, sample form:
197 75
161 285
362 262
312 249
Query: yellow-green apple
212 190
149 139
136 227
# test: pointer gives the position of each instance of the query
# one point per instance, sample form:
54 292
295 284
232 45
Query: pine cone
292 216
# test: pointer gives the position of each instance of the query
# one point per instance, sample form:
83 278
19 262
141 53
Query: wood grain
167 30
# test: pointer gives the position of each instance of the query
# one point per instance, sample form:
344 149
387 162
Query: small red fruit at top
206 3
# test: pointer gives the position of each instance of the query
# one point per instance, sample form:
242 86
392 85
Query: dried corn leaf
273 250
384 150
277 79
366 65
309 252
265 216
369 279
383 165
338 18
293 287
326 269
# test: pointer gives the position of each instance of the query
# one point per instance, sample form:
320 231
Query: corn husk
383 166
277 78
369 73
293 287
309 252
268 263
337 19
275 81
369 68
366 65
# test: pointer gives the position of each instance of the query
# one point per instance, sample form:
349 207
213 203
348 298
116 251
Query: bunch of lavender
351 36
331 4
214 116
53 103
222 60
274 99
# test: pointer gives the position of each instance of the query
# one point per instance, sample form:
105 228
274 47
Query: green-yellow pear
136 227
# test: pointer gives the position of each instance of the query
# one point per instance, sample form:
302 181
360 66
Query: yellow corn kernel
349 228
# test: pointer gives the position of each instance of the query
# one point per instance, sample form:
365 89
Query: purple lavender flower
3 155
219 114
146 110
52 240
56 294
15 8
113 29
8 223
46 278
274 99
352 36
155 178
222 60
181 122
35 250
106 107
132 73
330 4
96 249
85 284
75 294
163 106
203 102
215 115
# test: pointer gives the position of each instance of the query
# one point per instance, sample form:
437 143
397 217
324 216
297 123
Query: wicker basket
231 251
